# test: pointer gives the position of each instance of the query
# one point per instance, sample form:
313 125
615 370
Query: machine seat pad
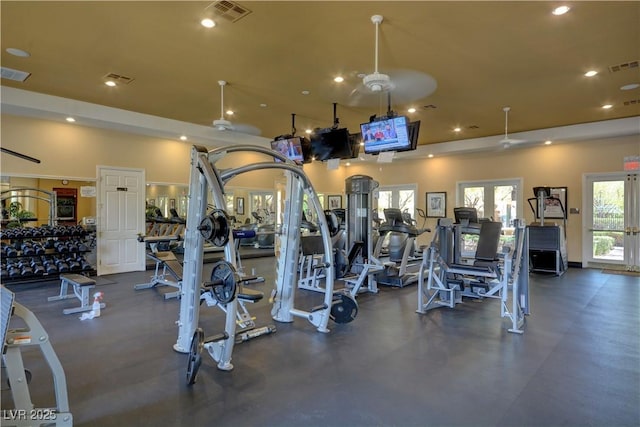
175 268
250 295
162 256
78 279
482 269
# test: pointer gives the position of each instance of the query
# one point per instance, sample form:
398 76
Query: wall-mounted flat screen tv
290 147
331 144
389 134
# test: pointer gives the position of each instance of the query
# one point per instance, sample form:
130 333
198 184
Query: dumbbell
10 251
73 263
27 249
72 246
37 247
36 265
25 269
63 267
49 244
13 270
61 247
50 268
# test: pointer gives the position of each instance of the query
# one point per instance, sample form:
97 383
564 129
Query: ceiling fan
406 85
223 124
506 141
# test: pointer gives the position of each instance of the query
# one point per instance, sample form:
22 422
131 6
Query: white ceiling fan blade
410 85
247 128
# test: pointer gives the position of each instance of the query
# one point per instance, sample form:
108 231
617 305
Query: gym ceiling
281 58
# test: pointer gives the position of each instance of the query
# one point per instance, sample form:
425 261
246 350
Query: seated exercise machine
444 280
13 342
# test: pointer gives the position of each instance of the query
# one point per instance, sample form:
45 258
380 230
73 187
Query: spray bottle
95 308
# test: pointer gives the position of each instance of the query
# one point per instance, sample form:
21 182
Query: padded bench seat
82 286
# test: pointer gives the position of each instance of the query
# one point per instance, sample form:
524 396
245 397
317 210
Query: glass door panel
612 221
474 198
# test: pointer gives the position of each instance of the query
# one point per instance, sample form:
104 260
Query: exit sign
632 163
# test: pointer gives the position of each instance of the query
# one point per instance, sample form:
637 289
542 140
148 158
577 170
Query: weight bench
244 319
170 267
82 286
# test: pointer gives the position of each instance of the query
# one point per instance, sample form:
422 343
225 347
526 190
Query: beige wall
73 151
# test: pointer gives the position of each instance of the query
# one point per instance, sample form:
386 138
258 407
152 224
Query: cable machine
547 242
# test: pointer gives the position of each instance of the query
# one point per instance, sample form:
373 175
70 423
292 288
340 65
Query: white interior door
121 201
612 221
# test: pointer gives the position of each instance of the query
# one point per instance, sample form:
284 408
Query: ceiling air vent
230 10
624 66
473 127
15 75
119 78
632 102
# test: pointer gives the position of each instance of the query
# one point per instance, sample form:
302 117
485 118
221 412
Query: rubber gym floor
577 364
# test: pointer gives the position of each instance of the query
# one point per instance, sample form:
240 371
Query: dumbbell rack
33 254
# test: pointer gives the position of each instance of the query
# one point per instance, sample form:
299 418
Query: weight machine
547 242
13 342
206 177
490 276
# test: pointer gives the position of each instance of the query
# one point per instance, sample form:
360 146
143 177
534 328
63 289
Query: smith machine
214 227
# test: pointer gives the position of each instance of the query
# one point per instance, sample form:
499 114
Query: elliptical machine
401 231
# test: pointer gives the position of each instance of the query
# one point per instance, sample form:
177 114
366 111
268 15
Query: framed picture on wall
437 204
240 205
553 206
335 202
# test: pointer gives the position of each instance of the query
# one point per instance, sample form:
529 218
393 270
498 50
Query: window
499 200
397 196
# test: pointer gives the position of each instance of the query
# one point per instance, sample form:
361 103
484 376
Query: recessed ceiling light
561 10
183 138
305 92
547 142
229 113
18 52
338 79
110 83
590 73
630 86
263 105
411 110
308 131
607 106
70 119
208 23
348 163
362 145
430 156
457 129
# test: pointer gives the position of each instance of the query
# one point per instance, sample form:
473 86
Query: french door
397 196
499 200
611 225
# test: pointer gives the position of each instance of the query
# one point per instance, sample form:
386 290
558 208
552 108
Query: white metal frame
510 283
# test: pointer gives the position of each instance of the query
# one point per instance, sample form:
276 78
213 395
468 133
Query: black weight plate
344 308
222 235
195 356
224 282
